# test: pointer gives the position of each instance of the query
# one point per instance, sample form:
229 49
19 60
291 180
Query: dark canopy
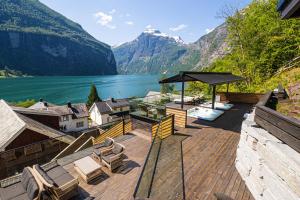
212 78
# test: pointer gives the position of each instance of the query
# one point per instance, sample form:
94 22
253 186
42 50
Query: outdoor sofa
98 148
57 181
25 186
113 158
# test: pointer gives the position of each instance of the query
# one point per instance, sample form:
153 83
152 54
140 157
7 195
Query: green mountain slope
156 52
39 41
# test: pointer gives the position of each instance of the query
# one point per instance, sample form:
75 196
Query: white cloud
128 15
149 26
178 28
208 30
104 19
130 23
113 11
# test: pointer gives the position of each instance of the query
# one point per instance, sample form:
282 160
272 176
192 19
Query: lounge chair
57 181
113 158
98 148
25 186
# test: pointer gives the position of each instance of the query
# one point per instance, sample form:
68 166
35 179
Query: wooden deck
208 155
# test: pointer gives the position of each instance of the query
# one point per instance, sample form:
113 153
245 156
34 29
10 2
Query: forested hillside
39 41
261 43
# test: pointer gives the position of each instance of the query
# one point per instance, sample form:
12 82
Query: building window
65 118
79 124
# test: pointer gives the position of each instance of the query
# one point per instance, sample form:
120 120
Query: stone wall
270 168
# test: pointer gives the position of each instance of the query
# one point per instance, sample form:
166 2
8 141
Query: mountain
156 52
39 41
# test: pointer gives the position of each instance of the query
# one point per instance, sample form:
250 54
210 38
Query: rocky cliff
39 41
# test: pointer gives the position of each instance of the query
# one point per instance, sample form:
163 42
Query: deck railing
163 129
120 128
286 129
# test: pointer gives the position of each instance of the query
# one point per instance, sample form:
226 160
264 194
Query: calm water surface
60 90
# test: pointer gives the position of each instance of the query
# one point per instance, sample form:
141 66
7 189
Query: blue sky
118 21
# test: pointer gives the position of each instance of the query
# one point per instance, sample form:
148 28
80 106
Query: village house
71 117
101 112
24 140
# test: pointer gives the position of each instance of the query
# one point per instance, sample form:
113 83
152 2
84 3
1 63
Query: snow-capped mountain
156 52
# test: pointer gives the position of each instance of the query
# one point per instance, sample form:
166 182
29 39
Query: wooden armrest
105 152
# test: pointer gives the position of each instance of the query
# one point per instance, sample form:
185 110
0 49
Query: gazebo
211 78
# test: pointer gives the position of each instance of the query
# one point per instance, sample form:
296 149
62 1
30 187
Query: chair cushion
32 189
107 157
12 191
56 172
98 146
22 197
26 176
117 149
63 179
108 142
29 184
45 176
60 176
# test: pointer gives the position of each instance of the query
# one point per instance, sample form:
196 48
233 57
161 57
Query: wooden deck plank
209 154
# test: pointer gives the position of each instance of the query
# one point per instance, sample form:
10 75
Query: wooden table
87 168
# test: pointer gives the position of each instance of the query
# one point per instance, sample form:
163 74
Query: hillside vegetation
39 41
261 43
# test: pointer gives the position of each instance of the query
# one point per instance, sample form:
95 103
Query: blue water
60 90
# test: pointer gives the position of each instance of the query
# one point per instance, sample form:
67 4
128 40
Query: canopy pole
213 97
227 88
182 94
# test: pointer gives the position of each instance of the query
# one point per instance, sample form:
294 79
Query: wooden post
182 94
123 121
213 97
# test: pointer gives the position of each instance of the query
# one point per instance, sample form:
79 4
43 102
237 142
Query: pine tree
93 96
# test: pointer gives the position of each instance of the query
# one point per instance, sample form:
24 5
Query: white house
73 117
100 111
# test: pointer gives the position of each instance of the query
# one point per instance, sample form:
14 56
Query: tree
166 87
260 43
93 96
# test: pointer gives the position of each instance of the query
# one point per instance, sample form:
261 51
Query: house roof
45 130
79 110
34 111
13 124
116 103
103 107
212 78
10 125
41 105
289 8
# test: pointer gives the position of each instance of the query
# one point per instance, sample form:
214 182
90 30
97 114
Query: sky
117 21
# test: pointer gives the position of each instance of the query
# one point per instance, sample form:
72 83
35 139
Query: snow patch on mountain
157 33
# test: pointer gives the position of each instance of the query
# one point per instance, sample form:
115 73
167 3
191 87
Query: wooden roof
212 78
12 124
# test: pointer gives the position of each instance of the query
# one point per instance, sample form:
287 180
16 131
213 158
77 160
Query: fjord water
62 89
